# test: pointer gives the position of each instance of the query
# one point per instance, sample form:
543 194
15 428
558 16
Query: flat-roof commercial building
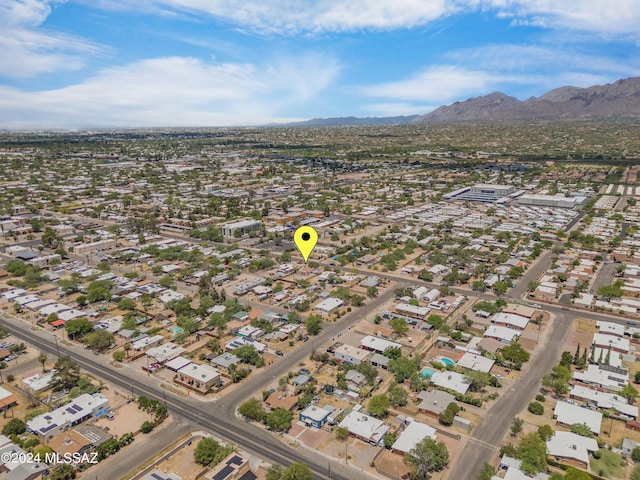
85 406
242 226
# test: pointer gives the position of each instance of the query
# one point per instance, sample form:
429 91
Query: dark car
305 338
279 353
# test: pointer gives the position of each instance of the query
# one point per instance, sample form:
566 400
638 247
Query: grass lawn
609 465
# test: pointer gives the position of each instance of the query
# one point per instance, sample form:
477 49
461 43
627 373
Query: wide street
493 427
217 417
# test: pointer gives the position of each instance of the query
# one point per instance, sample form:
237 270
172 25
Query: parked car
279 353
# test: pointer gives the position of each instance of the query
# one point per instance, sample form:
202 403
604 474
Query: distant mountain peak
618 99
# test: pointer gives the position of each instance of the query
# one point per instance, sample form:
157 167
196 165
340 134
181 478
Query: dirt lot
128 418
182 462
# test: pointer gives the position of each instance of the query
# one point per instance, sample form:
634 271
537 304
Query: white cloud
606 17
435 84
172 91
518 70
26 49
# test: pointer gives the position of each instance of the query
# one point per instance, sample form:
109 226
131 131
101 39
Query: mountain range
620 99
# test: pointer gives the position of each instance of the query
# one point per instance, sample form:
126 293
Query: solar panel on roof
249 475
236 460
70 410
47 417
48 427
224 473
156 476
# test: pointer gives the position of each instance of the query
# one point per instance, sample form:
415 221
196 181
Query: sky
164 63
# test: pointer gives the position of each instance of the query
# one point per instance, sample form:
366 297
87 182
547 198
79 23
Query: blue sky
130 63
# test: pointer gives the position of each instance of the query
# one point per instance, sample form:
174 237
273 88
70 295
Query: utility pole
57 346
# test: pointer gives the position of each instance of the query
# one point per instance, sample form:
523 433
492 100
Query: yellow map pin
306 239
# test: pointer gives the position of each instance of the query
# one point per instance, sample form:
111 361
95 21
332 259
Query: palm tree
42 358
127 347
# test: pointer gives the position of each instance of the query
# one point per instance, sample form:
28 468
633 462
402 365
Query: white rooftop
504 334
377 344
366 427
412 435
451 380
571 445
569 414
476 362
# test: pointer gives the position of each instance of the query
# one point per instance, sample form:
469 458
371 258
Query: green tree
379 405
42 358
448 414
100 340
209 452
516 426
635 454
426 457
99 291
119 355
635 474
397 395
15 426
279 420
146 427
581 429
501 287
62 471
126 304
575 474
545 432
313 324
630 393
399 325
533 453
50 239
16 267
477 380
253 410
536 408
275 472
67 374
342 433
78 326
515 354
297 471
487 472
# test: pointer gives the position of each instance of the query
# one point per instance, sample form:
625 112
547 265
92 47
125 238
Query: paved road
144 448
494 426
282 367
218 417
532 274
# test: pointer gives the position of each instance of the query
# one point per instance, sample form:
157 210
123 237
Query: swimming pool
175 330
427 372
447 362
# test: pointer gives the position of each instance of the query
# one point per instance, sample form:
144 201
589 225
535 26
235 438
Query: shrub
540 397
536 408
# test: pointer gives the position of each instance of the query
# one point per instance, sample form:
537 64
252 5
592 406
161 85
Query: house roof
412 435
571 445
569 414
476 362
435 400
